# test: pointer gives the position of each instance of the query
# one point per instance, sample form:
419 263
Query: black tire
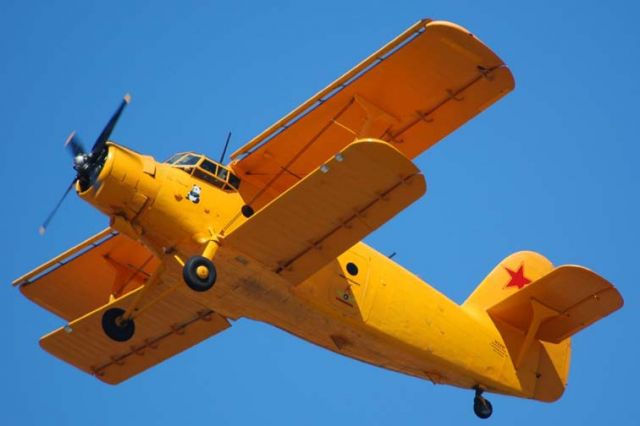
482 407
189 273
247 211
117 330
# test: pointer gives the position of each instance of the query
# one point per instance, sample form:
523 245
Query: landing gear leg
118 323
481 406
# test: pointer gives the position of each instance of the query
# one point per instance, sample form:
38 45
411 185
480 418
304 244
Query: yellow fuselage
383 314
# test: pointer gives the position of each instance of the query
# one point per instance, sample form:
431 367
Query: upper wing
330 210
411 93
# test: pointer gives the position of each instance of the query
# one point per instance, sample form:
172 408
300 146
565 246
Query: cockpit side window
207 170
234 181
208 178
222 173
209 166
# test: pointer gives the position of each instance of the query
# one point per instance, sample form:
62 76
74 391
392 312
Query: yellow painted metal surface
577 297
411 93
170 326
342 201
61 258
77 284
494 288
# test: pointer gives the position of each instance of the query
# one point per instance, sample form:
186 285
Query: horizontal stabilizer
330 210
566 300
166 328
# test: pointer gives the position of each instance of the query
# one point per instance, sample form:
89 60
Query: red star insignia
517 278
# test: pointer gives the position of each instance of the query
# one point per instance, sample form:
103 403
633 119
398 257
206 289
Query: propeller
87 164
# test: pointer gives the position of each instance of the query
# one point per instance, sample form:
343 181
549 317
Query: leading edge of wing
354 74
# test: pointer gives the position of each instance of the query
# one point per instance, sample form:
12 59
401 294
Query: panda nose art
194 194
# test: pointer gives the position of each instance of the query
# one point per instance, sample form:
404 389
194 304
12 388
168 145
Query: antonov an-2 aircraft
274 236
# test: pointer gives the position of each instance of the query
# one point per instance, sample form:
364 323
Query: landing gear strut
481 406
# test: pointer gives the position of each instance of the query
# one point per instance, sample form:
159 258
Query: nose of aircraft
125 184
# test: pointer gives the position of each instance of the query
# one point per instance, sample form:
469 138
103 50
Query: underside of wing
330 210
86 277
109 271
165 329
411 93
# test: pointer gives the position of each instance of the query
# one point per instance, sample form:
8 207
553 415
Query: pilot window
222 173
174 158
208 178
206 170
234 181
188 160
209 166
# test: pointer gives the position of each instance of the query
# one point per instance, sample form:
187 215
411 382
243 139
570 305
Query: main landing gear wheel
116 327
199 273
481 406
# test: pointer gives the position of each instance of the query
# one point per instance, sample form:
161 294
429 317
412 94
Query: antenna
226 145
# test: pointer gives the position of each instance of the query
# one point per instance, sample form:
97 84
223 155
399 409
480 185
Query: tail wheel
482 407
199 273
116 327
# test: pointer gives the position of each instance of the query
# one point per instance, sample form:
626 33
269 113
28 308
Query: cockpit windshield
188 160
174 158
206 170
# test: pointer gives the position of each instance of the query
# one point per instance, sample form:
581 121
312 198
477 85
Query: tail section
512 274
536 308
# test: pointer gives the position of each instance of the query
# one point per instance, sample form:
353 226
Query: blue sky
552 168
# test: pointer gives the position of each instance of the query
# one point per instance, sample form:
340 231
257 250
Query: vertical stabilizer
510 275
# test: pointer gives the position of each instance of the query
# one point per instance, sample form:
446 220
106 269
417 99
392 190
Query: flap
330 210
83 278
575 296
411 93
164 329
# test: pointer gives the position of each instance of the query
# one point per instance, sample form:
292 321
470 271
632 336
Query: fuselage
362 304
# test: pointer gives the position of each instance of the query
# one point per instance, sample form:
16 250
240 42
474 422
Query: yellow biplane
274 236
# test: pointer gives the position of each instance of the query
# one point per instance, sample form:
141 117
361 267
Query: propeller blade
74 144
98 146
43 227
